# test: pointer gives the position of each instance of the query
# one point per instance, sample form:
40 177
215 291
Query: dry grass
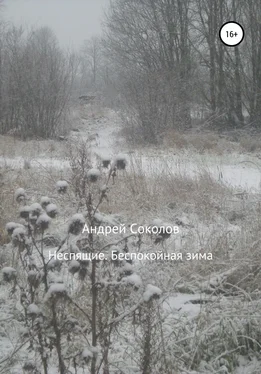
206 141
250 144
162 192
200 142
135 194
220 222
11 147
139 197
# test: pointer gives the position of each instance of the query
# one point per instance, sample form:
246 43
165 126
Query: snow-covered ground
237 170
186 307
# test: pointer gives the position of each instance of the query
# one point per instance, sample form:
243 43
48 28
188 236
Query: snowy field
209 310
241 171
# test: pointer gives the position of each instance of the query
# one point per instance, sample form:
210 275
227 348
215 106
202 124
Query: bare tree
251 71
91 54
37 85
223 94
150 39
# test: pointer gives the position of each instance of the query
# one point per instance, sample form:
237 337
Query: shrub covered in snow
45 200
106 160
33 310
133 279
76 224
24 211
36 209
20 195
120 161
126 269
74 266
51 210
86 354
9 274
10 226
62 186
43 221
56 290
151 292
54 264
93 175
32 219
19 237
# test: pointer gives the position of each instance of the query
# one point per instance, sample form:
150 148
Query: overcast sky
72 20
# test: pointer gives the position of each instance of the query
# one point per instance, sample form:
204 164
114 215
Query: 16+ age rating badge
231 34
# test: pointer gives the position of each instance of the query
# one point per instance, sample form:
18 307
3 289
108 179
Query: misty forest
130 179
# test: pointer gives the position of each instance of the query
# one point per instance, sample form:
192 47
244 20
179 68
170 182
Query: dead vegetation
212 218
211 142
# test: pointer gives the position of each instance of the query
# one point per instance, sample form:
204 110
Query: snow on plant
54 264
120 161
9 273
33 310
127 269
161 233
104 192
45 200
51 210
106 160
20 238
24 211
74 266
62 186
133 280
103 295
93 175
36 209
20 195
76 224
10 226
56 290
151 292
43 222
87 354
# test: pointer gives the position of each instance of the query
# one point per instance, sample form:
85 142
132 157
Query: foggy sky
73 21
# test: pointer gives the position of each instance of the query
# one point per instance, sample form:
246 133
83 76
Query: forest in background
161 61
